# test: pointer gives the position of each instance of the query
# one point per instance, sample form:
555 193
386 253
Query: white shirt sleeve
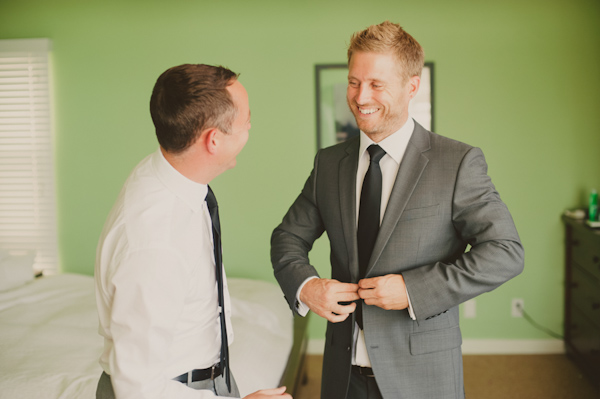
147 303
301 307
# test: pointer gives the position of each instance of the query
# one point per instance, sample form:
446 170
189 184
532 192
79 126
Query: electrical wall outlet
516 308
469 309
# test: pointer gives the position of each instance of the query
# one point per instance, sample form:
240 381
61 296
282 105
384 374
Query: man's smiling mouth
367 111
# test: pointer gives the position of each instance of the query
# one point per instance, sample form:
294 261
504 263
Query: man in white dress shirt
156 283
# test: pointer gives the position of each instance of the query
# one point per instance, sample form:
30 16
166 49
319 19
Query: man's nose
363 94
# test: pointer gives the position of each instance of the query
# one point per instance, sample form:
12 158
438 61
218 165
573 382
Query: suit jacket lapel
411 168
347 192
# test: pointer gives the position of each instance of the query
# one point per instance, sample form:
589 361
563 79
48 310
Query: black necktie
368 216
213 208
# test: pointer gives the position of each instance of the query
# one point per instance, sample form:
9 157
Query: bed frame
295 375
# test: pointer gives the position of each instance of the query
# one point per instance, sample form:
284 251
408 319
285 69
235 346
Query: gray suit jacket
441 201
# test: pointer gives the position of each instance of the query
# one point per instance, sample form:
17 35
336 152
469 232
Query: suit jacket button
348 349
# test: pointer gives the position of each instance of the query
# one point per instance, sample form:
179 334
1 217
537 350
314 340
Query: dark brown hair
188 99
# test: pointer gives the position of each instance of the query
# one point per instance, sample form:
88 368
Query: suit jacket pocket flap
435 341
418 213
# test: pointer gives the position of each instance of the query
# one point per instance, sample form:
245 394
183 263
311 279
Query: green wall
517 78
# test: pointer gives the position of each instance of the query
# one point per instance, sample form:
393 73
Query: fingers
345 287
324 290
344 308
339 312
330 298
334 300
336 318
367 294
368 283
348 296
369 288
387 292
273 391
270 393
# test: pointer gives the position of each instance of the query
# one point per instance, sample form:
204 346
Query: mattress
49 344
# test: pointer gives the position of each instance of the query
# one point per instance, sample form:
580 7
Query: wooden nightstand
582 297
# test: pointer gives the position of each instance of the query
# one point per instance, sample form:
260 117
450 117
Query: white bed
49 345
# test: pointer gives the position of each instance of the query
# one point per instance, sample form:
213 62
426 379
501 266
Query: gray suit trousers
362 387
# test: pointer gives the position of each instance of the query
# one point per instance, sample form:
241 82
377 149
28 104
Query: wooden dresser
582 297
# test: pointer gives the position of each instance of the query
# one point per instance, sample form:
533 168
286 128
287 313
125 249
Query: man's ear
210 140
413 83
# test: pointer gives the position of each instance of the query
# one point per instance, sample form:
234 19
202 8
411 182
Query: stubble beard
378 131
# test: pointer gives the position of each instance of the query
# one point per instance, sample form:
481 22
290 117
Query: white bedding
49 345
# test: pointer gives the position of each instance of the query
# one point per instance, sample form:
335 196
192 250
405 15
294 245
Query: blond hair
390 37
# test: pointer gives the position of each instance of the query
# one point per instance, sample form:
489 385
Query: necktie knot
376 153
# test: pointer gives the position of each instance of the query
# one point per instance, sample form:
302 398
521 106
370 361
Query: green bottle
593 207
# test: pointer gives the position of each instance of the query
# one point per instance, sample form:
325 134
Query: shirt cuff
411 313
301 307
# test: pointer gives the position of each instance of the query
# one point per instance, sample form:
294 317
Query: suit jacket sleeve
292 240
481 219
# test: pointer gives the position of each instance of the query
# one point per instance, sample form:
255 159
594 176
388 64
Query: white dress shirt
156 287
395 147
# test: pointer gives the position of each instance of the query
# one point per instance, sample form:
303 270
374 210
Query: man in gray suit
392 301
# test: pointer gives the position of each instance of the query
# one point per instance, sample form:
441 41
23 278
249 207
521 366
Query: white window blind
27 196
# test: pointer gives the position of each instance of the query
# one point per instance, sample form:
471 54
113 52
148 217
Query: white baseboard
486 346
513 347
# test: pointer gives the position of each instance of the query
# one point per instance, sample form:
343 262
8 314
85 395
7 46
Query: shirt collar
190 192
394 145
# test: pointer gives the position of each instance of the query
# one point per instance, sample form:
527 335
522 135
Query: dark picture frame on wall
335 122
